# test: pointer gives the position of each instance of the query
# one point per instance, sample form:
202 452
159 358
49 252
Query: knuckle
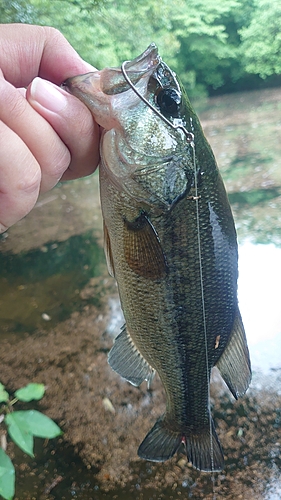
15 104
30 180
55 168
90 128
52 33
61 162
79 119
86 125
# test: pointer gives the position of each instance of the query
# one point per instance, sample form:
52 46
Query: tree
199 39
208 32
261 40
19 11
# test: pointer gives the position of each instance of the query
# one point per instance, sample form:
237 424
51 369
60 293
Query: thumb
72 122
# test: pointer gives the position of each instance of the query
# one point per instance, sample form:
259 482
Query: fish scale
170 242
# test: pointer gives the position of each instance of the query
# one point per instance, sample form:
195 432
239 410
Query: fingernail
48 95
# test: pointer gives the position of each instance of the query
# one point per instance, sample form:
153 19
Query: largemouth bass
170 242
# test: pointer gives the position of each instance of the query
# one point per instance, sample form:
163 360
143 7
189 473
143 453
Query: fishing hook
189 135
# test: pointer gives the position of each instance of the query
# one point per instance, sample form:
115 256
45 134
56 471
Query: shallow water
59 310
43 284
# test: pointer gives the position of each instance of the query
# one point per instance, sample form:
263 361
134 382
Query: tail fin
203 451
160 444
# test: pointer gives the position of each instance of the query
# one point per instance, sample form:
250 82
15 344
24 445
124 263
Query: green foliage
4 396
37 424
210 44
261 40
19 11
22 426
205 48
19 432
30 392
7 476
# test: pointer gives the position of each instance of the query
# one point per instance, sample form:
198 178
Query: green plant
22 426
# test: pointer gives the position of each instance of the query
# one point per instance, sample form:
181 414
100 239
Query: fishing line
196 198
190 139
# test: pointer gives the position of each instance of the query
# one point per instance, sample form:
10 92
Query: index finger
27 51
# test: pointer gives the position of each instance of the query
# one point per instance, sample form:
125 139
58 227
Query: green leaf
26 424
19 431
30 392
40 425
7 476
4 396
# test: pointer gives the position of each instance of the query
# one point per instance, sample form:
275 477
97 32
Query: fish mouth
146 61
75 83
141 68
111 81
103 91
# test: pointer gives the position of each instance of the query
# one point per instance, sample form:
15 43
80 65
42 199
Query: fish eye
169 101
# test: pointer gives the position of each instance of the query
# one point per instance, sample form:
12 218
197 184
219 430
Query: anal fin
127 361
234 363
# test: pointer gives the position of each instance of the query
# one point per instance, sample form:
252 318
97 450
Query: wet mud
104 420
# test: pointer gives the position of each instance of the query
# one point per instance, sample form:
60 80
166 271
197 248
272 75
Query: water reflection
43 286
274 491
259 298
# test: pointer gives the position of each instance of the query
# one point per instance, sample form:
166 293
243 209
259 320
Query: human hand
46 134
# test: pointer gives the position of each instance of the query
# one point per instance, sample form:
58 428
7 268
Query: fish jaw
106 92
88 90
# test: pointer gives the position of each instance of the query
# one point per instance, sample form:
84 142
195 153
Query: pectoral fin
234 363
142 249
125 359
108 252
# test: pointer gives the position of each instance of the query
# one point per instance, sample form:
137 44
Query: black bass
170 242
